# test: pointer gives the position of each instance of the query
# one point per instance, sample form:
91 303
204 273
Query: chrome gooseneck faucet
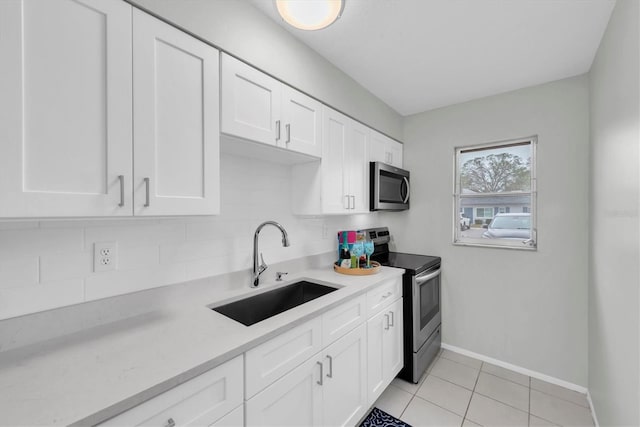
259 269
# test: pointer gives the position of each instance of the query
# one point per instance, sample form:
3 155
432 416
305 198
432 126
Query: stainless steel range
421 292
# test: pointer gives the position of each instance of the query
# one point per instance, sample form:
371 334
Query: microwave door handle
406 182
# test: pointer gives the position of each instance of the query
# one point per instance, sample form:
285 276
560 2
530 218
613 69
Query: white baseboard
519 369
528 372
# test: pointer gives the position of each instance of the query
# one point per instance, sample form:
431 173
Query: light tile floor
459 391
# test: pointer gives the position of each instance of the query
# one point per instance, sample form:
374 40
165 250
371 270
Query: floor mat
379 418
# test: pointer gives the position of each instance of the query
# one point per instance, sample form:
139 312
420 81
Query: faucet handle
279 275
262 266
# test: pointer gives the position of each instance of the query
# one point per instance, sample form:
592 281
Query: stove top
413 263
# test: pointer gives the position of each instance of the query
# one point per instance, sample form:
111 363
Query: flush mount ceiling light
310 14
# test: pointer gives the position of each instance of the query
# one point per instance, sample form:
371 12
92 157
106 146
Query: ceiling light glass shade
310 14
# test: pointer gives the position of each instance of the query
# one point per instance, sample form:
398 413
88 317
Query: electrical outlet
105 256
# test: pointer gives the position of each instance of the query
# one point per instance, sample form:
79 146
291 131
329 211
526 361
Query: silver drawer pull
171 423
319 382
121 179
387 295
330 373
391 314
386 326
146 200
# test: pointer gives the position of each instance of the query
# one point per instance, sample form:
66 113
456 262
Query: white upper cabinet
384 149
259 108
339 184
302 120
176 132
335 197
251 102
357 167
65 108
70 70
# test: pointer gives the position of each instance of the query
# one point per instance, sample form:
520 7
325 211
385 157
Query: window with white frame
495 187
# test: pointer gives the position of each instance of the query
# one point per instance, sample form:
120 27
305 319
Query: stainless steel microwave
389 187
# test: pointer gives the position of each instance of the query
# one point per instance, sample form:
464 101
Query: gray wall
242 30
521 307
614 354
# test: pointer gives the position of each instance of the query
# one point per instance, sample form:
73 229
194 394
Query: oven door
426 306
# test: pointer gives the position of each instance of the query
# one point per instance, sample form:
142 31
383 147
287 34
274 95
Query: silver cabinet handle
277 130
121 179
387 295
288 128
171 423
391 313
354 202
330 373
146 200
319 382
386 316
347 198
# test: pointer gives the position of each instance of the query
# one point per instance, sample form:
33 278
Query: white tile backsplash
18 271
49 264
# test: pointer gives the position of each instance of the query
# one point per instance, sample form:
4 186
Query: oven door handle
425 277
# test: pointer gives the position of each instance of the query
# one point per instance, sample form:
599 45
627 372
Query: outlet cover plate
105 256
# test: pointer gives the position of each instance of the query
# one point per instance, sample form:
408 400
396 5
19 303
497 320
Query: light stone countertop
89 376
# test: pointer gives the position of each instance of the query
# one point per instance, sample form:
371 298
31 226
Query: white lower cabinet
203 401
345 381
327 371
384 348
293 400
329 389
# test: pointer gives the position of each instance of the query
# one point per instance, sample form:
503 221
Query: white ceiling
417 55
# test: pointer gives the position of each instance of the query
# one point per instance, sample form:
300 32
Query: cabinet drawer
271 360
383 295
342 319
200 401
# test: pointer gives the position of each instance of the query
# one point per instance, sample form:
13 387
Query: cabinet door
302 120
384 149
176 132
65 108
377 147
345 380
251 103
197 402
385 349
356 167
376 333
293 400
334 136
394 150
393 345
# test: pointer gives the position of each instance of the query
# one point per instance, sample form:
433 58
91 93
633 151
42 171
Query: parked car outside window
509 226
465 223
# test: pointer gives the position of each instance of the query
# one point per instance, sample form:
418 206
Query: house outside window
492 181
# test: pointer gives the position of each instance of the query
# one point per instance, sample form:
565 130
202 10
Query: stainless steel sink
265 305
